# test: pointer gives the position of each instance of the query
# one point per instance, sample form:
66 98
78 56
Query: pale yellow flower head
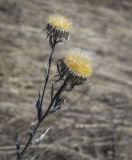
79 62
60 22
58 28
76 67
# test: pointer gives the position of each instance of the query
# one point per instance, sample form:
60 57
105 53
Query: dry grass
96 120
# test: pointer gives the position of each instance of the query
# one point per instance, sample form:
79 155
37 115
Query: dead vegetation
95 122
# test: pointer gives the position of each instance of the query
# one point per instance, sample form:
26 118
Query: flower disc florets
76 67
58 27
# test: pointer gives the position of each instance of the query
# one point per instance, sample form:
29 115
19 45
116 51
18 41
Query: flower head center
60 22
79 64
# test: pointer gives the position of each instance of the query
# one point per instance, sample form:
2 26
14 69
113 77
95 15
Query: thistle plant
72 70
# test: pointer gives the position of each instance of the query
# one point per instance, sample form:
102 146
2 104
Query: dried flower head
58 27
76 67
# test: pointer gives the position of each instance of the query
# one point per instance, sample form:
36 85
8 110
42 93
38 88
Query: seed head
58 27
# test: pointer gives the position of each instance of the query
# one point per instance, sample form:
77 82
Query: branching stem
58 92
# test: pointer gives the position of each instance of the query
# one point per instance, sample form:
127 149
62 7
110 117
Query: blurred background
96 120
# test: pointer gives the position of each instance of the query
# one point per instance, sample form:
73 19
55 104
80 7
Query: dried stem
60 90
48 72
58 93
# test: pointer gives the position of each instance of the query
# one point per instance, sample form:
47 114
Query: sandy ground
95 122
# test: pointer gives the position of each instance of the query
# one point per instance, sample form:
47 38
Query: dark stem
47 74
41 101
60 90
